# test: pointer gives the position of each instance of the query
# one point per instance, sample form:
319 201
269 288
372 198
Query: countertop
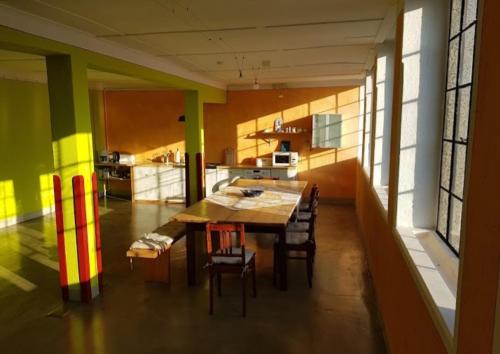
256 168
161 164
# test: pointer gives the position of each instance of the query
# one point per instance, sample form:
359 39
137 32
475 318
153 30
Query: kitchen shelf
270 136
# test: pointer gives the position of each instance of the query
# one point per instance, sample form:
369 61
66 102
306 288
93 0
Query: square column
73 166
193 107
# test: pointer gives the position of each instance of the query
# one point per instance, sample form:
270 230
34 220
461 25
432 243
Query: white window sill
436 272
383 195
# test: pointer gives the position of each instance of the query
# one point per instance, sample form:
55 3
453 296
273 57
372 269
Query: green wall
26 161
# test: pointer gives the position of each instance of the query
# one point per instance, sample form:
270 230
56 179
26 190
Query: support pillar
193 107
74 167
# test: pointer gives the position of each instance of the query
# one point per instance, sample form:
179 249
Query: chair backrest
312 195
223 235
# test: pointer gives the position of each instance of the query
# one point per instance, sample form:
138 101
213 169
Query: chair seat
235 259
297 227
303 215
295 238
304 206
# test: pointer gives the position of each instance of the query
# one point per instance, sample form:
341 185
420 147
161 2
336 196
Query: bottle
177 156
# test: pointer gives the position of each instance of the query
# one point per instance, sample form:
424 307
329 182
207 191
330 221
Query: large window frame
457 112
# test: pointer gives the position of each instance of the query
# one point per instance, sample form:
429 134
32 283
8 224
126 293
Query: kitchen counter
139 164
250 167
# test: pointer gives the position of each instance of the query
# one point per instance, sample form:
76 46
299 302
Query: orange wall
408 325
144 123
247 112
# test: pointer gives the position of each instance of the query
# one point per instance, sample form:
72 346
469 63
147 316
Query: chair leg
254 278
244 294
219 284
211 293
275 264
309 261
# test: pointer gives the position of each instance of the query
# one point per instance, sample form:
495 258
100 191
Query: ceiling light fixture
239 65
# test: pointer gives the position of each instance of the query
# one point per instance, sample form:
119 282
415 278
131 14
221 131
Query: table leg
282 266
191 254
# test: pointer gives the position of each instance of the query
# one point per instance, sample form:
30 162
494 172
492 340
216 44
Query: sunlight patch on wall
323 105
7 202
296 113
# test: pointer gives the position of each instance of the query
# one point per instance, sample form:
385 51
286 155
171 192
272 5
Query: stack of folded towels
153 241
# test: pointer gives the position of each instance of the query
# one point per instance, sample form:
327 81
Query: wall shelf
268 137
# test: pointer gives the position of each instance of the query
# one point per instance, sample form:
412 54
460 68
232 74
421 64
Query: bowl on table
251 192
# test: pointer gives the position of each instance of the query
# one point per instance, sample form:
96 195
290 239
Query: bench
157 261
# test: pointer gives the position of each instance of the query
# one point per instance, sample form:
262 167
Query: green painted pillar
193 108
73 156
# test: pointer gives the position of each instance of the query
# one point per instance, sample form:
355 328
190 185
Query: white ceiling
275 41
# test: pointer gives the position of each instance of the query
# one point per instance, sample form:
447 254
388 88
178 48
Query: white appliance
127 159
281 158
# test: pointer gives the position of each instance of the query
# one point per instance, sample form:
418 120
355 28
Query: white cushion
304 215
152 241
297 227
236 259
304 206
295 238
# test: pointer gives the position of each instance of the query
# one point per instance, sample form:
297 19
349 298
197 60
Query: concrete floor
338 315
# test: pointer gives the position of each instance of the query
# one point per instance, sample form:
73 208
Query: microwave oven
281 158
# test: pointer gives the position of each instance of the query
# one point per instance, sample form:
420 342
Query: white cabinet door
236 172
158 183
210 180
145 183
172 183
284 173
258 172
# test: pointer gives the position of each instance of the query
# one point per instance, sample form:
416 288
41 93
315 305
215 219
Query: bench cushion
173 229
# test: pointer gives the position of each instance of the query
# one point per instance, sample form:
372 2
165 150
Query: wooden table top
273 207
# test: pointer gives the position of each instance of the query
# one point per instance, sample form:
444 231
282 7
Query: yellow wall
247 112
25 150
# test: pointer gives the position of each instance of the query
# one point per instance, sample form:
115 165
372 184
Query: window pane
456 11
467 56
470 12
463 114
455 222
446 165
449 115
459 169
452 63
443 212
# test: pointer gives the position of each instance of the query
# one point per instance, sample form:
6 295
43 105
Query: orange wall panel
144 123
408 325
247 112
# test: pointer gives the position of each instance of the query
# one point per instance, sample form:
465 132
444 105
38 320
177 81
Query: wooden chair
300 241
307 206
305 215
224 258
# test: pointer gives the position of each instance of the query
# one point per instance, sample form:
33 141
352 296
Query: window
459 80
383 116
368 123
327 130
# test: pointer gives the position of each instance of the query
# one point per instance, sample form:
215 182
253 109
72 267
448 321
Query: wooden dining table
267 213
